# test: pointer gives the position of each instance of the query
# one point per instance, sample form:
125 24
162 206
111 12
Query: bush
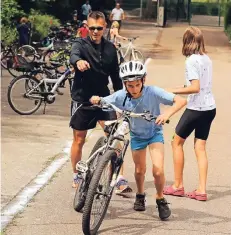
10 12
228 31
41 24
8 34
227 19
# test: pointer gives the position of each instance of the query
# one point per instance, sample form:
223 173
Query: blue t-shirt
86 8
150 100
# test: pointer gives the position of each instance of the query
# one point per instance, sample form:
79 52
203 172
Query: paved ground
29 142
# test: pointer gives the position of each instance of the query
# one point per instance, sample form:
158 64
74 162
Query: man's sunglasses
93 28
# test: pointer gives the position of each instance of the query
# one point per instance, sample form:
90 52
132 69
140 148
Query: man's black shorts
85 118
200 121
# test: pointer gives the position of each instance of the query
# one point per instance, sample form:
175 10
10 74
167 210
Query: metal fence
208 12
196 12
140 8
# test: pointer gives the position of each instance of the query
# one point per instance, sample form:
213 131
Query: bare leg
202 161
139 158
157 156
178 160
76 148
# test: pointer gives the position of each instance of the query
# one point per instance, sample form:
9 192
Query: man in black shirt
94 59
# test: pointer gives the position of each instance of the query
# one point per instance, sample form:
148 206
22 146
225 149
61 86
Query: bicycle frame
112 143
129 48
47 81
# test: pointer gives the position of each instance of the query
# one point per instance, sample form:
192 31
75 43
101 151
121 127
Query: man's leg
76 149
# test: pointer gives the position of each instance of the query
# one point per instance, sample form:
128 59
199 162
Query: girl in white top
198 116
114 33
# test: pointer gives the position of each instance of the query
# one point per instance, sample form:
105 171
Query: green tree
10 13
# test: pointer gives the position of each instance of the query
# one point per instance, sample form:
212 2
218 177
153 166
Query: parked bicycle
26 92
129 52
98 175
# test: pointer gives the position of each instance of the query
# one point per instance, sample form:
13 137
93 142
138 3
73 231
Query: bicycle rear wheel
81 191
138 56
19 99
28 52
99 194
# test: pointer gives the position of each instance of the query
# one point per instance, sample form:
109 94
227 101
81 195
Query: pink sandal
197 196
169 190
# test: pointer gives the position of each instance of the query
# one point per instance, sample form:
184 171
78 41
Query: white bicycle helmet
132 71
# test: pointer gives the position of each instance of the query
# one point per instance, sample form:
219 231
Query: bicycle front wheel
81 191
24 95
99 194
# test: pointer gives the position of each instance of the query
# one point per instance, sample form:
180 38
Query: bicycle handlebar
146 115
133 39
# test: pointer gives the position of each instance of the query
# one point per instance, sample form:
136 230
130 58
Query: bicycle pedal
81 167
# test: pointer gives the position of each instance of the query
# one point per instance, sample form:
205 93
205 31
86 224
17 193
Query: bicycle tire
103 161
140 57
27 49
4 57
11 103
79 199
13 72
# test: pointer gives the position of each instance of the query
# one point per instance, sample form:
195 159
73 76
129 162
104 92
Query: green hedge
41 24
228 31
227 19
205 8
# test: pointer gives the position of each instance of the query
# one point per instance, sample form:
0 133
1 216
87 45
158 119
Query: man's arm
75 53
76 59
116 81
123 15
111 15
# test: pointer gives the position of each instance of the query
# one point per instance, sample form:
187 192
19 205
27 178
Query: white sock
120 177
75 175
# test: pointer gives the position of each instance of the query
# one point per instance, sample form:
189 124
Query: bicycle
108 156
129 51
9 58
29 88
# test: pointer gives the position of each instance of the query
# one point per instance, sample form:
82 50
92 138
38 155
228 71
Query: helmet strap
128 95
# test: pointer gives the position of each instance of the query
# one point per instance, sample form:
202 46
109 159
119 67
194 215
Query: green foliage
227 20
205 8
10 12
41 24
228 31
8 34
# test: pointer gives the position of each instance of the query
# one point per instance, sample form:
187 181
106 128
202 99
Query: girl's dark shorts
85 118
200 121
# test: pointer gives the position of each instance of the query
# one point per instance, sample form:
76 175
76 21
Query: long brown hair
193 42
